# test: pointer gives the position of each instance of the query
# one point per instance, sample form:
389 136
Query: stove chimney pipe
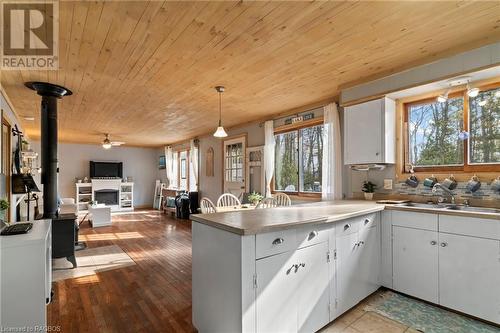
48 137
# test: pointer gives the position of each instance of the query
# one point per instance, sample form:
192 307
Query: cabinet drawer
368 221
275 242
348 226
423 221
312 235
470 226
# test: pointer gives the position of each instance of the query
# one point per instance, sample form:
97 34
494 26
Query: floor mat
90 261
425 317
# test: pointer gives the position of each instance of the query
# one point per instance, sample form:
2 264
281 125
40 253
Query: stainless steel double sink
451 207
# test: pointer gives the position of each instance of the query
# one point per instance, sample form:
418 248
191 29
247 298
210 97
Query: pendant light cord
220 108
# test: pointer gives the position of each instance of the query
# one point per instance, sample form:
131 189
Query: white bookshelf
83 196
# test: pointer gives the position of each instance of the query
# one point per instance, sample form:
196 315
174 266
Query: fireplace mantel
85 192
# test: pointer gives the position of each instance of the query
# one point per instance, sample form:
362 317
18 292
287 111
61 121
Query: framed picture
183 168
162 163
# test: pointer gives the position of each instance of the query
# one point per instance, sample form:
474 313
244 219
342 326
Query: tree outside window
298 160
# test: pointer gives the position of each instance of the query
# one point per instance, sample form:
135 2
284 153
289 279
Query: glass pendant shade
220 132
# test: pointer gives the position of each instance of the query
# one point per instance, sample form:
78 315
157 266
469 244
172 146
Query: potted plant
4 205
368 188
255 197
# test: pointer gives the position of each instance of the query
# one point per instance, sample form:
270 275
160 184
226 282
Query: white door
415 262
469 274
363 130
313 289
369 262
276 297
234 166
347 261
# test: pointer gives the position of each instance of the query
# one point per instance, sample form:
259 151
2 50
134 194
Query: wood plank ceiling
145 71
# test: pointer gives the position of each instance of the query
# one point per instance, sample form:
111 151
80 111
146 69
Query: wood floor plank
152 296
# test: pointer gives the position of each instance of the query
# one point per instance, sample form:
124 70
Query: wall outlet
387 184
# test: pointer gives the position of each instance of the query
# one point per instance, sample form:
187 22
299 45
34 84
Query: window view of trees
286 175
312 158
298 160
433 133
484 126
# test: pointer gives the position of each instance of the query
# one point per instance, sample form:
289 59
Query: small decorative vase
368 196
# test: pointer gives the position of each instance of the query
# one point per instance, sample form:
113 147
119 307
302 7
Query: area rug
425 317
91 261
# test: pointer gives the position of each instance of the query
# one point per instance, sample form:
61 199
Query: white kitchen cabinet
347 257
370 132
415 262
358 265
368 265
469 273
313 288
276 303
293 291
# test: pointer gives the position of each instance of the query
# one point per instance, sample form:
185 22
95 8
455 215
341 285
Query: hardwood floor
152 296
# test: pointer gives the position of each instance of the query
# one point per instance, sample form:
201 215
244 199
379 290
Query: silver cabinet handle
278 241
347 226
312 234
444 244
433 242
367 221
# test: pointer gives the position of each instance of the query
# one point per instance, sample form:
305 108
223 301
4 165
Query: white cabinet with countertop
26 278
290 280
370 132
453 261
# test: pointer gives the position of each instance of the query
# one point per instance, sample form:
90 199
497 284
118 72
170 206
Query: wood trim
462 172
8 162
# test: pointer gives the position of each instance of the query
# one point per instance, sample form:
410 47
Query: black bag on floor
182 206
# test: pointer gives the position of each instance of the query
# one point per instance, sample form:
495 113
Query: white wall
139 163
211 187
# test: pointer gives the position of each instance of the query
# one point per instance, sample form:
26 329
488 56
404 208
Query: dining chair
228 199
207 206
267 203
283 199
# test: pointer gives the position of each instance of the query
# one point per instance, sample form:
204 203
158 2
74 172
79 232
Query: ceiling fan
106 143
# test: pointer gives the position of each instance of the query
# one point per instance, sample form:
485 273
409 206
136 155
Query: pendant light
220 132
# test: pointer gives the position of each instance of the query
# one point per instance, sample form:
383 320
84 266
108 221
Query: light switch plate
387 184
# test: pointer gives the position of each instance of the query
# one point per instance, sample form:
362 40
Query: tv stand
85 193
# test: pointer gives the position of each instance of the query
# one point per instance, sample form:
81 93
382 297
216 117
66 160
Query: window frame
296 128
467 167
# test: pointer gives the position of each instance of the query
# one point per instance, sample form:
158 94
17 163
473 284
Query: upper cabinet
370 132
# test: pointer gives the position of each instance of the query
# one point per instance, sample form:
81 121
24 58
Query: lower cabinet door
368 269
313 289
469 275
276 296
347 261
415 262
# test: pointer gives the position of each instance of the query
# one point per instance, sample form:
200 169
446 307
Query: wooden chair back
283 199
207 206
267 203
228 199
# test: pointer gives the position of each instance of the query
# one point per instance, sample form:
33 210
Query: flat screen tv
106 169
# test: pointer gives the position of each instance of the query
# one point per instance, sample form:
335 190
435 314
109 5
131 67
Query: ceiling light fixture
220 132
472 92
443 97
106 144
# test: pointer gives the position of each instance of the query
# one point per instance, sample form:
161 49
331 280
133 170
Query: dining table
225 209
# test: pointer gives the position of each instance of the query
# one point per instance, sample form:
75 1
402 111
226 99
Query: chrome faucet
445 190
